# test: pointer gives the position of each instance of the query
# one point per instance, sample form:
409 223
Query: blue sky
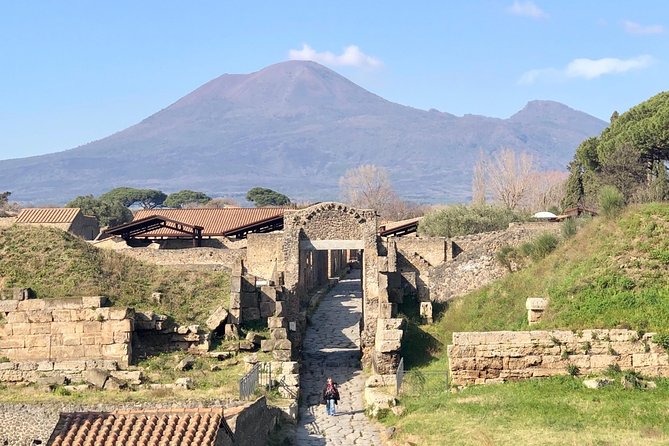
76 71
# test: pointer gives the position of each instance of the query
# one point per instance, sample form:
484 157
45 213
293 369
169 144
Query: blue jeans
330 407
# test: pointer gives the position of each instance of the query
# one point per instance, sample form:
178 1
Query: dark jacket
331 394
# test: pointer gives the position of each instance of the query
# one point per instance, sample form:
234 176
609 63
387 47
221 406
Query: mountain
296 127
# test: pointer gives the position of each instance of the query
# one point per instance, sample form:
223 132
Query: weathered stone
289 367
247 345
282 344
96 377
254 337
597 383
51 381
277 322
217 319
114 384
185 383
134 377
267 345
93 301
231 331
281 355
278 333
186 363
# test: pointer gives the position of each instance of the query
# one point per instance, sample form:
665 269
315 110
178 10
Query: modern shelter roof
399 228
47 215
215 221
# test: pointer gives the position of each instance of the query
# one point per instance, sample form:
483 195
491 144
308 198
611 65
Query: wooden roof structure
137 228
400 228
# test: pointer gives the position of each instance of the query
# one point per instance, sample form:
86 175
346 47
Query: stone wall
264 255
474 264
85 226
253 424
493 357
155 334
55 331
188 256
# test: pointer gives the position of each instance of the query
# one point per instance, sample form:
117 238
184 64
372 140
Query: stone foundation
494 357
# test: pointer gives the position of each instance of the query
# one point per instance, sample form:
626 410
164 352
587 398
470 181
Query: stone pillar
535 308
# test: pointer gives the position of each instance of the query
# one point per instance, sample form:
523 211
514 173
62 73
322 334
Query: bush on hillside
611 201
460 219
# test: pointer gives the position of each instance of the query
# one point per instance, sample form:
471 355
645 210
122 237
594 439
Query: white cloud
635 28
352 56
527 9
587 69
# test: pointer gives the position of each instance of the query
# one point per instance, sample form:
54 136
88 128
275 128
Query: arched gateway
314 244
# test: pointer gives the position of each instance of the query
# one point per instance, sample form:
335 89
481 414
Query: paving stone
332 348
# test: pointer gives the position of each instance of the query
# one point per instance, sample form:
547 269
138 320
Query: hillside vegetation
56 264
612 273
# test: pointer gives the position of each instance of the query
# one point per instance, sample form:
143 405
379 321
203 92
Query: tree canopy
630 154
261 196
4 197
129 196
108 213
185 197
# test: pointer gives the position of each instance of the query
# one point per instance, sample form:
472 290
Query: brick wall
492 357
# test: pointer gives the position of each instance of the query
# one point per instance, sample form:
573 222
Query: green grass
56 264
554 411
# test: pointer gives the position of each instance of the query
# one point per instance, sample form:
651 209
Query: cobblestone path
332 348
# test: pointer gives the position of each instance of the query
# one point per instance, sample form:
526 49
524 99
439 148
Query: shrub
569 228
573 370
662 339
611 201
505 256
459 219
540 247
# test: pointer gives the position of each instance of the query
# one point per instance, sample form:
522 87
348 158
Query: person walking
330 396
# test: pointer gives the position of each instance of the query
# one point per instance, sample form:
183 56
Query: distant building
71 220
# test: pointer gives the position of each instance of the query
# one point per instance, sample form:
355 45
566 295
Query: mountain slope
296 127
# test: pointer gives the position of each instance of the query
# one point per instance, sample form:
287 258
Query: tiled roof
178 427
47 215
216 222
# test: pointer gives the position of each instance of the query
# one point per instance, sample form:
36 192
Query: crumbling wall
493 357
155 334
474 264
264 255
187 256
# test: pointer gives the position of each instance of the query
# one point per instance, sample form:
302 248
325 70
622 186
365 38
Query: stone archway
335 226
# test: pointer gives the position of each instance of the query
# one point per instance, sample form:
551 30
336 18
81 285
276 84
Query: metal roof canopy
400 228
144 225
266 225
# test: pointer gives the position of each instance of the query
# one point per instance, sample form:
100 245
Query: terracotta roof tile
47 215
179 427
216 222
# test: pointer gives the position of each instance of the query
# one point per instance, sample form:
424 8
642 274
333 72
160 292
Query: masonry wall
474 264
493 357
189 256
52 331
264 254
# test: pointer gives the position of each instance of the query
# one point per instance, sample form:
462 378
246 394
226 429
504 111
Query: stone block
71 339
387 346
386 310
217 319
17 317
63 315
32 341
235 316
235 300
13 342
7 306
113 351
8 366
134 377
247 345
268 294
186 363
426 312
393 324
292 379
27 366
282 344
278 309
124 325
44 366
290 367
231 331
277 322
250 314
248 283
70 303
117 314
40 328
391 335
93 301
32 305
267 345
92 327
282 355
267 309
70 366
278 333
236 284
86 314
96 377
249 299
18 329
185 383
121 337
114 384
381 380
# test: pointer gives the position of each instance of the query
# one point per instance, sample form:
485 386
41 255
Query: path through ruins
332 348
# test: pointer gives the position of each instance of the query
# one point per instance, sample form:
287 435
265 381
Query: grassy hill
612 273
56 264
